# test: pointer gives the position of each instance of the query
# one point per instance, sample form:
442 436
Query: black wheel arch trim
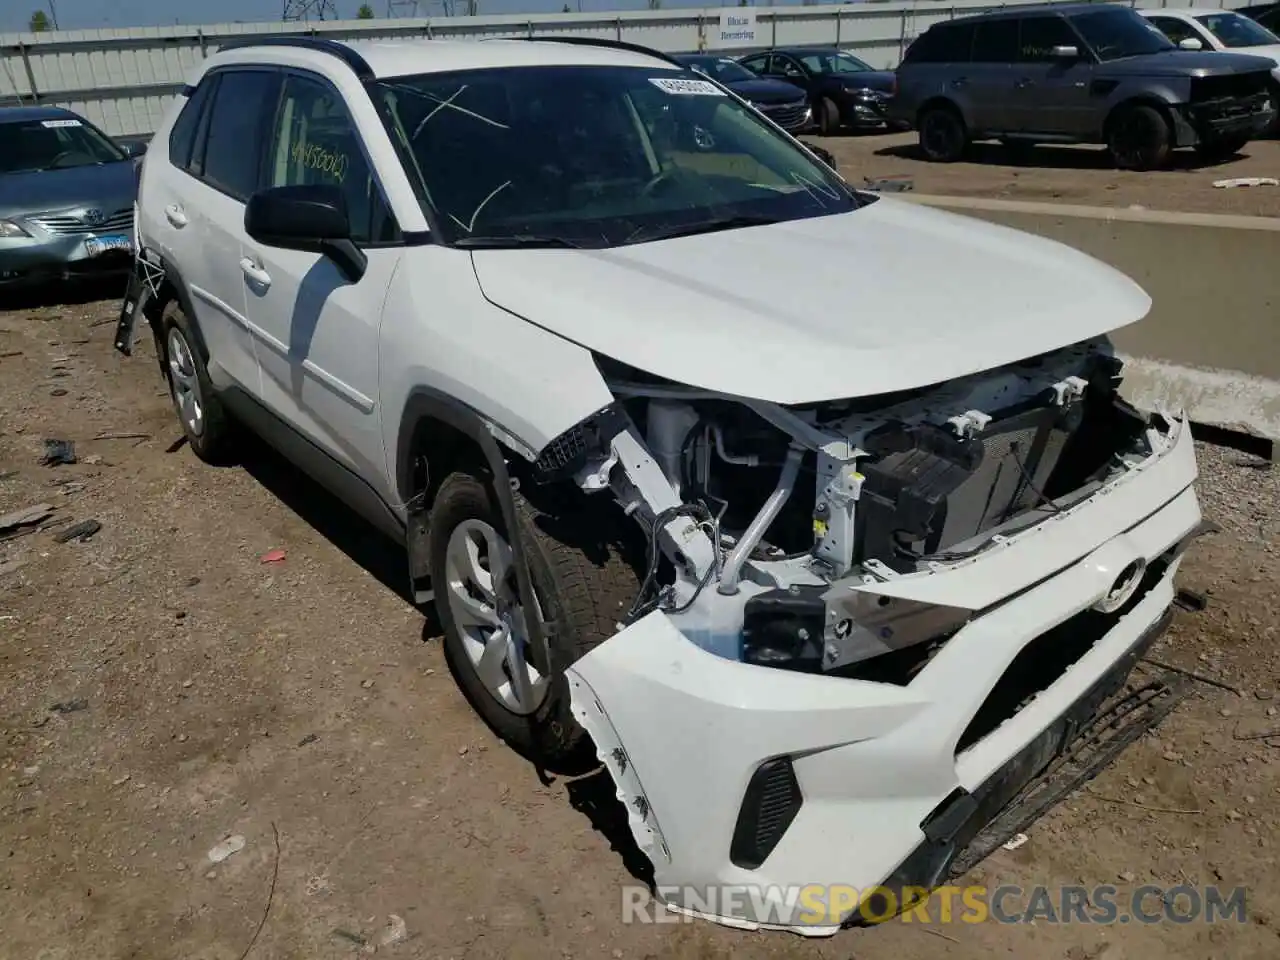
427 404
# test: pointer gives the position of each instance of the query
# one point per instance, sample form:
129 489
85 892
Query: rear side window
945 43
232 145
996 41
183 135
1039 35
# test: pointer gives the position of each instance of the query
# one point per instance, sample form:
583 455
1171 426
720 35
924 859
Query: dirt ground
1082 175
162 688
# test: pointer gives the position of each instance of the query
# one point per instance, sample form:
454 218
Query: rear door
989 75
223 172
1051 94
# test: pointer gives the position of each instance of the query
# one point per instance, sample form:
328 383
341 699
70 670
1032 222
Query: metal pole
53 14
31 77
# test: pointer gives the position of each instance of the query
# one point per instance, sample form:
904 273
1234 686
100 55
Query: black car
842 90
779 101
1267 14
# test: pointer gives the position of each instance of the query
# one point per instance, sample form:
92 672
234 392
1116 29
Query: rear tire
1139 138
205 422
583 586
1273 129
943 137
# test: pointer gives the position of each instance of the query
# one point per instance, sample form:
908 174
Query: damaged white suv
818 512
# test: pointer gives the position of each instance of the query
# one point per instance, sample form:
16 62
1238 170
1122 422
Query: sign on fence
737 28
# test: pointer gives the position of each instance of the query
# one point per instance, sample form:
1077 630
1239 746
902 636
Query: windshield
722 69
833 62
53 144
596 156
1118 33
1233 30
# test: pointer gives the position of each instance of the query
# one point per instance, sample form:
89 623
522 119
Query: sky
87 14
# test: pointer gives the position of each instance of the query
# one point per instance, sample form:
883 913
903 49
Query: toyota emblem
93 216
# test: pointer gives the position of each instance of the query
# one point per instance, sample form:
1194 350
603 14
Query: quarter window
945 43
183 135
314 141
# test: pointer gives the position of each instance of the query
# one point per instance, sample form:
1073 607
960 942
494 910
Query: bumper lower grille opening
770 804
1046 658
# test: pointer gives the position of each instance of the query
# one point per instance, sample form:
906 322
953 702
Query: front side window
722 69
1175 29
1115 33
786 67
596 156
54 143
834 62
1039 35
314 141
231 157
757 64
1232 30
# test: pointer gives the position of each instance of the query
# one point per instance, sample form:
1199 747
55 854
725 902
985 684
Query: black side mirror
309 217
133 148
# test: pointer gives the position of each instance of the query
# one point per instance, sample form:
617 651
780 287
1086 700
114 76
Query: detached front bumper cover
785 783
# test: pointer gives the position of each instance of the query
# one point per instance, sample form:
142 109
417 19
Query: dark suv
1077 74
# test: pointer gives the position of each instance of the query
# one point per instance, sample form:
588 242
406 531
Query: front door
318 331
1050 93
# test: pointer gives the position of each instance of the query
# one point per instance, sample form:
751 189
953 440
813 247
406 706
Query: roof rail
306 42
611 44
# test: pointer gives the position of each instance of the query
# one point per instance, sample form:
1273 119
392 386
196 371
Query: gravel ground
1082 175
162 689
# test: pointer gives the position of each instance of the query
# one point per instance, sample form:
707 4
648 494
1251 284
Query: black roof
1056 9
18 114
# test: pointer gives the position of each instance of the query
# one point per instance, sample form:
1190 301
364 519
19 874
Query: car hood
108 187
1269 51
766 91
889 297
1184 63
882 80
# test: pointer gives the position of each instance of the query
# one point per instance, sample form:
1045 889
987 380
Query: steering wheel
58 158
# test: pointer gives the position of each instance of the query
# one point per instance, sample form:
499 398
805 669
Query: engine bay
768 526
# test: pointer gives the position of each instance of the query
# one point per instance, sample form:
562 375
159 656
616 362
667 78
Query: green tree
39 22
365 12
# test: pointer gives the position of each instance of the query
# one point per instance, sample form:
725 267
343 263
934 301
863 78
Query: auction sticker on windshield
54 124
688 88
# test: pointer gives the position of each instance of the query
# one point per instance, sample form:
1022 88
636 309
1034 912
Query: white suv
818 511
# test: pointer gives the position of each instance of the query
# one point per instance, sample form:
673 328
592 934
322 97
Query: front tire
828 117
583 587
205 422
1139 138
943 137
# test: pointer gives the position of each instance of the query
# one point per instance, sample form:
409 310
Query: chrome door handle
960 82
255 272
1024 82
175 215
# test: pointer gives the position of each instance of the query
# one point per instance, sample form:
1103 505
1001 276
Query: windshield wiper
518 240
645 234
